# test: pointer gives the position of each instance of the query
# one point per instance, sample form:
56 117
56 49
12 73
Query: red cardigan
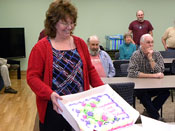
39 72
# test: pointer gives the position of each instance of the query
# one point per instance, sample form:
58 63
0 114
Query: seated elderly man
100 59
147 63
4 72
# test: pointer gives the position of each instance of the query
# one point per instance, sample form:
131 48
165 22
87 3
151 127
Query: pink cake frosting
99 112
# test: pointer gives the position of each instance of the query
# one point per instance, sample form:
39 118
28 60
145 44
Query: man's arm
164 43
156 75
164 38
133 69
130 31
111 67
151 33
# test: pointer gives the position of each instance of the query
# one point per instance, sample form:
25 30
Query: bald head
93 43
93 38
140 15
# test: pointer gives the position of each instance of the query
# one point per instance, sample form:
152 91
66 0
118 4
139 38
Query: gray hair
138 11
142 39
93 36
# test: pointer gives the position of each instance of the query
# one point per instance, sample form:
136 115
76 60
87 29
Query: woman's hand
56 106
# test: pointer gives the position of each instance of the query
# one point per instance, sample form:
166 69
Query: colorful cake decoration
99 113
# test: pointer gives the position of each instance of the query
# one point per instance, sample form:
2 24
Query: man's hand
159 75
166 48
150 54
56 106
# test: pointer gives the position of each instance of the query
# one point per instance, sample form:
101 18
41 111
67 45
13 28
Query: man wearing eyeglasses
147 63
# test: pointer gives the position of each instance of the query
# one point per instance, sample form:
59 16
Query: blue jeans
153 106
170 49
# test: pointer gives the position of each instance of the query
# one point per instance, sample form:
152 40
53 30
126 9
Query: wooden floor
18 111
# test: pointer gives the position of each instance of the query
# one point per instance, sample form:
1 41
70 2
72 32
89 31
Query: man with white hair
147 63
100 59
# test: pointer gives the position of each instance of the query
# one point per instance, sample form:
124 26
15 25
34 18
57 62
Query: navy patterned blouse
67 72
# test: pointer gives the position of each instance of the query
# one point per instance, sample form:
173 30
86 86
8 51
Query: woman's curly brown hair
59 10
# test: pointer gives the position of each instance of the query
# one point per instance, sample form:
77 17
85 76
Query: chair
117 55
169 69
173 67
124 68
117 67
167 54
173 73
125 90
101 47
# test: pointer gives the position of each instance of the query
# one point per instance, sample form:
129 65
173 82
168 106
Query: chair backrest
124 68
117 64
117 55
125 90
167 54
173 67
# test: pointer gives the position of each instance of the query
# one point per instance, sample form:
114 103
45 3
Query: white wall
100 17
110 17
29 14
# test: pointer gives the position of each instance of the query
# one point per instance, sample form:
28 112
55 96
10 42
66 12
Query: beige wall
100 17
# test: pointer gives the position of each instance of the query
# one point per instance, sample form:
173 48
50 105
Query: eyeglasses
67 24
149 42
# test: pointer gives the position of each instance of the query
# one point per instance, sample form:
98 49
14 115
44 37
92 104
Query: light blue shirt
107 63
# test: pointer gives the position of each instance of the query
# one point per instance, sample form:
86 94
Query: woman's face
64 28
128 39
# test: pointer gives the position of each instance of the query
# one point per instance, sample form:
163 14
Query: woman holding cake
59 64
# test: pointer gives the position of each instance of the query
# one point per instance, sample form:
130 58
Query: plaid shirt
140 63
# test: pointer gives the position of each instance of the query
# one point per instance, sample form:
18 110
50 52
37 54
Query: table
168 65
11 62
165 60
168 60
145 83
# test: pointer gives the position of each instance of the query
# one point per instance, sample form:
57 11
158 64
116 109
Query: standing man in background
100 59
168 39
139 27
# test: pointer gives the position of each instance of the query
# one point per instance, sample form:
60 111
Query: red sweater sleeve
35 72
